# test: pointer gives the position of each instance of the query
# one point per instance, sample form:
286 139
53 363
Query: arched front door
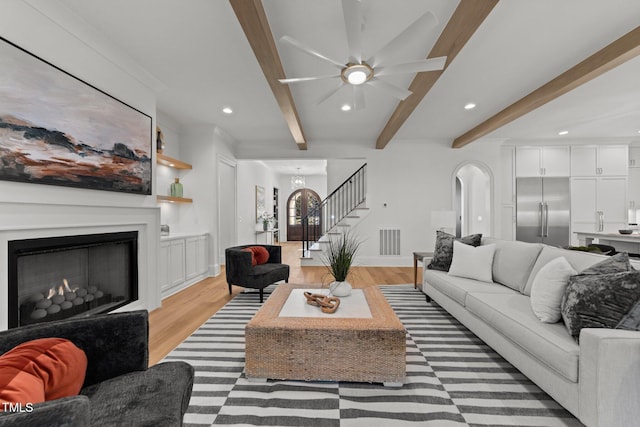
300 203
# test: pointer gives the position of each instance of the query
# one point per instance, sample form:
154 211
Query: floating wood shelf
171 162
174 199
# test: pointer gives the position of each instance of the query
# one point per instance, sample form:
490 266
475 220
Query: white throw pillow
548 288
472 262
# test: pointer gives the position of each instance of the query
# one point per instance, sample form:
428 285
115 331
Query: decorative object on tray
326 303
339 259
625 231
176 188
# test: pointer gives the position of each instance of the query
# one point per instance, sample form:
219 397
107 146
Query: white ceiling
198 50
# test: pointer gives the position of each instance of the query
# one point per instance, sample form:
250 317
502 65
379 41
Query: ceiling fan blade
329 94
307 79
358 97
391 89
427 20
352 10
431 64
309 51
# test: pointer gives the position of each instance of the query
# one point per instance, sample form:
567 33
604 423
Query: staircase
336 214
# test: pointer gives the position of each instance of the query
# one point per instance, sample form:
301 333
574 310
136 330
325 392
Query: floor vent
390 241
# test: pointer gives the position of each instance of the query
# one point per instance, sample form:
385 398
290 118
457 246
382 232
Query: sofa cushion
548 289
472 262
458 287
259 254
579 261
511 316
513 261
599 300
155 397
443 252
41 369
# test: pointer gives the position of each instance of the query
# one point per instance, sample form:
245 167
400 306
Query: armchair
240 272
119 388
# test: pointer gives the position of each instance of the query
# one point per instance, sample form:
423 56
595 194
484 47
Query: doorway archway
472 186
299 204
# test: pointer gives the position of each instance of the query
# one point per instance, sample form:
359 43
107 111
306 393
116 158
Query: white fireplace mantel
37 220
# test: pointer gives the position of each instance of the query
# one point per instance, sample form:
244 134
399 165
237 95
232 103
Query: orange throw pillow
259 254
40 370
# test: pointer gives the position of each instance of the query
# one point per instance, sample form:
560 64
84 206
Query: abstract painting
56 129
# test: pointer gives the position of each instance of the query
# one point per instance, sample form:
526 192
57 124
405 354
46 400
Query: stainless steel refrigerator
543 210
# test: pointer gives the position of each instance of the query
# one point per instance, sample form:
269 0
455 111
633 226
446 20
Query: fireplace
56 278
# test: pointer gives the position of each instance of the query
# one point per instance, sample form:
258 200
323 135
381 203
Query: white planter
340 289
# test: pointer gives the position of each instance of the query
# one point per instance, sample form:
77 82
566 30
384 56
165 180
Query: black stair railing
334 208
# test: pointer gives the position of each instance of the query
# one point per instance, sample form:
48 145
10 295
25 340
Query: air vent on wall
389 241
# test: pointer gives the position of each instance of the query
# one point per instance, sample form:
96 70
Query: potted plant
266 221
338 259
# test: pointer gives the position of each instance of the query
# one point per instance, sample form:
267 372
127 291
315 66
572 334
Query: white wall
338 170
201 146
250 174
413 178
52 33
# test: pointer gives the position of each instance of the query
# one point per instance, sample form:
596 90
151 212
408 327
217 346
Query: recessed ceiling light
563 132
227 110
470 106
346 107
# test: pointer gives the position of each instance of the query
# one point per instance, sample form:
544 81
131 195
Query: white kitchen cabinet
633 191
601 160
598 204
183 262
634 157
543 161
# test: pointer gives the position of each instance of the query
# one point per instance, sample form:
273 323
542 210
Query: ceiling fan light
357 77
357 74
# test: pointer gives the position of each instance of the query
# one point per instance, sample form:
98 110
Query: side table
418 256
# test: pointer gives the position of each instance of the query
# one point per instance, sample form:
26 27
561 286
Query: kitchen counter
622 242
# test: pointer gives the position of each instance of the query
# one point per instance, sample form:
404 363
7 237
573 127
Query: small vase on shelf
176 188
265 225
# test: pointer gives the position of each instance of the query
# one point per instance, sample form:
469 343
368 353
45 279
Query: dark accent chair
119 388
240 272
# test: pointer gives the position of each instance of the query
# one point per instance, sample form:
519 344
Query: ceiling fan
357 72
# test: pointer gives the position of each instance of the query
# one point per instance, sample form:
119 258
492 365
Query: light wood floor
181 314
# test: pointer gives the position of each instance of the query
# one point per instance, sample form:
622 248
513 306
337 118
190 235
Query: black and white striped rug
453 378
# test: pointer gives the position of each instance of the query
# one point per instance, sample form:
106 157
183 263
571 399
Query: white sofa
597 380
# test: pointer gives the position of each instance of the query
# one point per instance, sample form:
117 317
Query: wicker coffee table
371 348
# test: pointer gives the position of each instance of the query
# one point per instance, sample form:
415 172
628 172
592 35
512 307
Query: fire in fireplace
61 277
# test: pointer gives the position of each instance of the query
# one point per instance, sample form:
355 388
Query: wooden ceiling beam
463 24
254 23
607 58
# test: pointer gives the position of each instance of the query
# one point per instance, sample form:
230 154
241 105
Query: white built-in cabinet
543 161
598 204
600 160
183 261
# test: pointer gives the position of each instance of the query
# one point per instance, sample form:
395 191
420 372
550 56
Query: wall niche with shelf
173 163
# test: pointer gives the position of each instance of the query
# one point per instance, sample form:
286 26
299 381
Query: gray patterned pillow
614 264
599 300
631 321
443 252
